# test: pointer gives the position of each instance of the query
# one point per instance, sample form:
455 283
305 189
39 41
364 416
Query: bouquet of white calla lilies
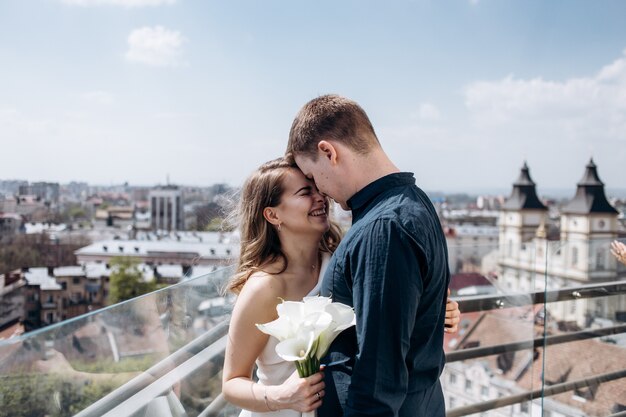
306 330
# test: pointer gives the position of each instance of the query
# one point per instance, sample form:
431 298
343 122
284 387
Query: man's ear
328 150
271 216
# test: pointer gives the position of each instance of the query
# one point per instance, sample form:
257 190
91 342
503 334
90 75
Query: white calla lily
306 330
316 322
281 328
343 317
318 303
293 310
297 348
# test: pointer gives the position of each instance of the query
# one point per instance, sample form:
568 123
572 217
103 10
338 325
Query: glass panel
505 274
591 366
64 368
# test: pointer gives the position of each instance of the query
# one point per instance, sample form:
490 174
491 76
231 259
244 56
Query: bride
286 242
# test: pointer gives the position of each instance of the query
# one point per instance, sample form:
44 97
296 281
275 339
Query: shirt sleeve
387 286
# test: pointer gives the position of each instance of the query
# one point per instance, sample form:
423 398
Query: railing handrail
479 352
475 303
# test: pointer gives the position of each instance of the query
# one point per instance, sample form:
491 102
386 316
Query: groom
392 267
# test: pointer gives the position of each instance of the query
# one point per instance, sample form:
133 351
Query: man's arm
387 286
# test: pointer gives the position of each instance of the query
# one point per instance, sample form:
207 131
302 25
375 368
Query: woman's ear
328 150
271 216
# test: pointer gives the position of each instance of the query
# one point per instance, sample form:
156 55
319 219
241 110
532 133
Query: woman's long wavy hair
260 244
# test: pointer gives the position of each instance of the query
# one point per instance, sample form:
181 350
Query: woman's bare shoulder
263 288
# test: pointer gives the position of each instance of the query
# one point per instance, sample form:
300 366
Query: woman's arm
257 304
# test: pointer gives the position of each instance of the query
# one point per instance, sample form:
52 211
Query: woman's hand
300 394
618 249
453 315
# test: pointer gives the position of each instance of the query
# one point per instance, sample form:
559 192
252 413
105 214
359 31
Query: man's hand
453 315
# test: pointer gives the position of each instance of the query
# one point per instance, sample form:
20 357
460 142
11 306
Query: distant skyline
459 92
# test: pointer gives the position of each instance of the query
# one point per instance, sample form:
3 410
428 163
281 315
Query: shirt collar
373 189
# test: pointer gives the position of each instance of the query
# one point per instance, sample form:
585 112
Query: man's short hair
331 117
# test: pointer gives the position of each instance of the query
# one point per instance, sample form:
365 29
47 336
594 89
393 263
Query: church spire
590 197
524 194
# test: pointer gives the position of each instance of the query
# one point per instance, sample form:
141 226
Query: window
484 391
76 280
574 256
600 259
468 385
452 402
453 379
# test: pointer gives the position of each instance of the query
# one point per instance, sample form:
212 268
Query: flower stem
300 369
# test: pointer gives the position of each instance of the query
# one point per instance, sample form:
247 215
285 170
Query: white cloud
591 107
123 3
155 46
99 97
427 111
557 125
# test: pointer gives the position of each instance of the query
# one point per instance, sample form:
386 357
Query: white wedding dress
271 369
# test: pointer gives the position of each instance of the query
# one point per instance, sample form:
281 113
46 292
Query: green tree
50 395
127 280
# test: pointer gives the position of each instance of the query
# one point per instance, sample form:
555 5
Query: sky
459 92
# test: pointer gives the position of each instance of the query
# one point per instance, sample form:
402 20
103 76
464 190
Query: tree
205 214
127 280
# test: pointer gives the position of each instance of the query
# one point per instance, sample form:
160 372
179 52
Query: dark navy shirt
392 267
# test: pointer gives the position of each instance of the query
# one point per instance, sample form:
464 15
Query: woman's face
302 209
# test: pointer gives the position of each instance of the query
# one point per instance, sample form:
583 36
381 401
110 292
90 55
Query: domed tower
588 225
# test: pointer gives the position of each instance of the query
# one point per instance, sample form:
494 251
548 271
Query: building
10 224
468 244
187 250
12 299
115 216
43 191
27 206
45 295
166 208
38 297
579 254
81 293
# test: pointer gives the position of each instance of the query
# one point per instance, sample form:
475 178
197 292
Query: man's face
325 180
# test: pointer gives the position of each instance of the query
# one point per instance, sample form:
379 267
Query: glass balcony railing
543 332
